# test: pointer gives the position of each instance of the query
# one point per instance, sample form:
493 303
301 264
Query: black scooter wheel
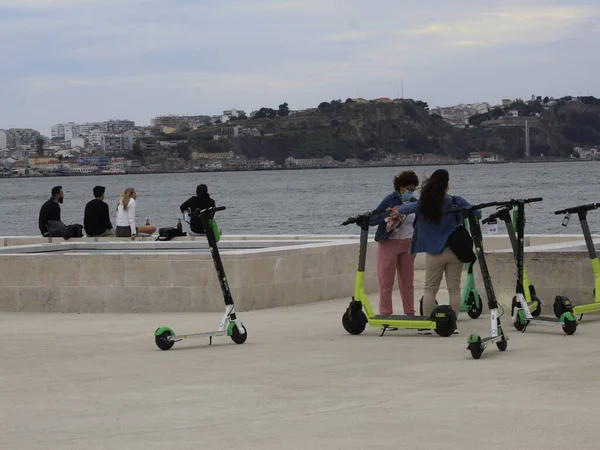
474 312
476 349
355 323
163 342
519 326
237 337
445 329
502 344
570 327
421 306
537 310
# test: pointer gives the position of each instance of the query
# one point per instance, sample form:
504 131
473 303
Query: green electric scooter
581 212
231 325
359 312
521 313
504 214
470 301
477 344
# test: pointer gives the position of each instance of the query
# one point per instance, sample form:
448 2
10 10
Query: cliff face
365 130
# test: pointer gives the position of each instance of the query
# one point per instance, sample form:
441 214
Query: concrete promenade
97 381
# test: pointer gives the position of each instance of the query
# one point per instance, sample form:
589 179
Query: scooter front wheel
570 327
474 311
355 323
238 337
476 349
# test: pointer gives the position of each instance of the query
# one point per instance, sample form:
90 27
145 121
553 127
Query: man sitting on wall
49 219
96 218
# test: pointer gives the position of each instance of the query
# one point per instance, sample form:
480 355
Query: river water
305 201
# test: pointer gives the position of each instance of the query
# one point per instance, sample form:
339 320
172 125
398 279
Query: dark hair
98 191
202 190
56 190
432 195
406 178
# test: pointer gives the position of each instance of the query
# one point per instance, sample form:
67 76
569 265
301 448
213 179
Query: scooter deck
545 320
197 335
491 340
407 322
586 309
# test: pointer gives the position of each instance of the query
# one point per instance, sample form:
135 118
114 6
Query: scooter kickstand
210 340
383 330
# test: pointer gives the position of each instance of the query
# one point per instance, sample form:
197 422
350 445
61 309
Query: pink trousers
393 258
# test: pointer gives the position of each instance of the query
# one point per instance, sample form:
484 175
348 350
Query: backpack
168 233
75 230
460 241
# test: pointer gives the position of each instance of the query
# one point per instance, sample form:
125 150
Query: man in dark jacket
96 218
50 211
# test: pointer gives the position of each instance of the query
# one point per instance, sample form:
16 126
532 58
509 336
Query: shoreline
270 169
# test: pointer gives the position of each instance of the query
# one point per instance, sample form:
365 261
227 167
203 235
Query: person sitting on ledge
96 218
50 212
201 200
126 217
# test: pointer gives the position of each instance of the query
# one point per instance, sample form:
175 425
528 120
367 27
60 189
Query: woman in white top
394 236
125 226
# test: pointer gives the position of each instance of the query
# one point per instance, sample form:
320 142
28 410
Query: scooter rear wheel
355 323
163 342
537 311
238 337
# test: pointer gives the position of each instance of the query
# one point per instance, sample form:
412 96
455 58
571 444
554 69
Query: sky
94 60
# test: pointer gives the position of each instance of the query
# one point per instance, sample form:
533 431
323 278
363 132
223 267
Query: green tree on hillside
284 110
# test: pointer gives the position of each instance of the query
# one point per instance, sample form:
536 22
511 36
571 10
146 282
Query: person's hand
133 236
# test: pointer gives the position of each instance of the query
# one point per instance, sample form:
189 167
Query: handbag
460 241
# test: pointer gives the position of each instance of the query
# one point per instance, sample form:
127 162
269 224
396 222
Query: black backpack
168 233
460 241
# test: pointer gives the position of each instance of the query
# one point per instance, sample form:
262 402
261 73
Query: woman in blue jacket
393 253
431 235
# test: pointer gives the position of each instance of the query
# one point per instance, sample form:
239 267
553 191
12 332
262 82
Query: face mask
407 195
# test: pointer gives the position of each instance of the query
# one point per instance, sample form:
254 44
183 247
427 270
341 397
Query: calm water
305 201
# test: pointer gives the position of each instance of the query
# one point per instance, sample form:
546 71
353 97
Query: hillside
368 130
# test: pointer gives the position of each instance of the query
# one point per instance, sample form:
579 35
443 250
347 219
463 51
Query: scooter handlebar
576 209
211 210
495 215
515 202
456 210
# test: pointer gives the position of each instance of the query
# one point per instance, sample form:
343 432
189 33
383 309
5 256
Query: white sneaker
424 332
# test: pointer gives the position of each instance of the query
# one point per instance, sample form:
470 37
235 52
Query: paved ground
299 382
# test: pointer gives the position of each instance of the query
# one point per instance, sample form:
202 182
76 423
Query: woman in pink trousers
394 236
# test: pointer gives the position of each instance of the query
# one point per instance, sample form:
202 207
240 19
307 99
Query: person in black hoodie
50 210
201 200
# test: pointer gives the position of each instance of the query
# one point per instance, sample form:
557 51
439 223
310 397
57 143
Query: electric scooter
230 325
354 320
533 302
521 313
581 212
476 344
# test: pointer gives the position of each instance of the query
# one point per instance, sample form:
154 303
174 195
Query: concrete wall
180 282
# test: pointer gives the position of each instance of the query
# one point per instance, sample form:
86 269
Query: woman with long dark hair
431 236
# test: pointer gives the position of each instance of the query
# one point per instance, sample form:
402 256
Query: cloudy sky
87 60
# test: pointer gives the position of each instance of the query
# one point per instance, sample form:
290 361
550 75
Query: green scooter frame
581 211
504 214
521 313
360 313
